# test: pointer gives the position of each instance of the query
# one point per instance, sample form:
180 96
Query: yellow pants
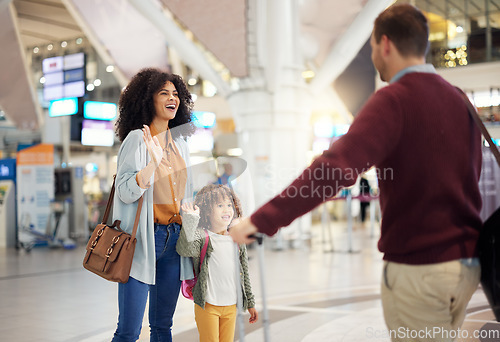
427 302
215 323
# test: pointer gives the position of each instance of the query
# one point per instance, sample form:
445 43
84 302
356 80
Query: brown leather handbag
110 250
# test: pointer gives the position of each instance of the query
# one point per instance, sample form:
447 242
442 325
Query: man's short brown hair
406 27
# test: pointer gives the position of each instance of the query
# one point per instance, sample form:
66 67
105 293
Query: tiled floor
313 295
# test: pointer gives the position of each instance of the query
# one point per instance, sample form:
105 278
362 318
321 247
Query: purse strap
205 247
110 203
482 128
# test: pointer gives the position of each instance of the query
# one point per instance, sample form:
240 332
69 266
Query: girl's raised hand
190 207
153 146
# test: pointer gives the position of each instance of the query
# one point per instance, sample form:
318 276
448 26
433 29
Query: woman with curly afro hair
153 161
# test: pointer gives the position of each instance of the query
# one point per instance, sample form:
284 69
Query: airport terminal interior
274 83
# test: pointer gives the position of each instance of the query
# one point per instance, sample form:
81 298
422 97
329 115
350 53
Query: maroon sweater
427 151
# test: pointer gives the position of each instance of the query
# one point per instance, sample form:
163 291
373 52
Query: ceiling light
234 152
36 49
308 74
110 68
90 87
42 80
50 47
79 41
192 81
64 44
209 89
97 82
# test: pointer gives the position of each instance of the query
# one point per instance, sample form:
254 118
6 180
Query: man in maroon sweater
418 134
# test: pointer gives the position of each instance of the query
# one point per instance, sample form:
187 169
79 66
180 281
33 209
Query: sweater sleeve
371 138
189 242
246 277
130 161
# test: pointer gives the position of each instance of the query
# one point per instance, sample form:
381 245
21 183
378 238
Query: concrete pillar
273 105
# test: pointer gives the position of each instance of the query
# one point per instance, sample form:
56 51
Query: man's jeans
132 296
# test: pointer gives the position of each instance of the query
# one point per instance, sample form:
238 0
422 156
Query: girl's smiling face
221 215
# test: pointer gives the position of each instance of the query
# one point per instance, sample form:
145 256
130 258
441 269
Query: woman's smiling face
166 102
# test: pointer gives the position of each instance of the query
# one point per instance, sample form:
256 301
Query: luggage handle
257 237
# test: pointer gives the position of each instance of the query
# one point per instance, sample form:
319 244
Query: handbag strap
205 246
110 203
482 128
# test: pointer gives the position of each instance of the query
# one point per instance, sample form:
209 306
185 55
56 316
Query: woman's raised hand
190 207
153 146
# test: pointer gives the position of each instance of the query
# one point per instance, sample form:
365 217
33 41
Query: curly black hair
136 105
209 196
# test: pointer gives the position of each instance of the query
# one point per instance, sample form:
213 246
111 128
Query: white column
272 107
65 122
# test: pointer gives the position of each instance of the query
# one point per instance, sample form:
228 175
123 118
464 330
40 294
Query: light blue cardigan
133 157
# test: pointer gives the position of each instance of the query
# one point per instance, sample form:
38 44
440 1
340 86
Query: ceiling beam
44 2
191 55
48 21
18 98
457 7
348 46
38 35
96 43
4 3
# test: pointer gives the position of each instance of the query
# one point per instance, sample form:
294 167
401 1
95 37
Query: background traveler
227 176
364 190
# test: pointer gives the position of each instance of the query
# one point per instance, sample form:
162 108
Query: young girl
215 294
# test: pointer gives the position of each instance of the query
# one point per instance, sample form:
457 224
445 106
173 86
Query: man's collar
427 68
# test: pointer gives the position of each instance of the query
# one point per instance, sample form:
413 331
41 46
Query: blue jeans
132 296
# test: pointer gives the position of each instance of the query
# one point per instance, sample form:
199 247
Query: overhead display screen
74 61
99 110
52 64
97 133
67 106
64 76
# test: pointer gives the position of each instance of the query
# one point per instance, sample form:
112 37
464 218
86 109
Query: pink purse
187 286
